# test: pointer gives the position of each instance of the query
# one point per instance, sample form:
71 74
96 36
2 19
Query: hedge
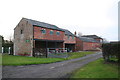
111 50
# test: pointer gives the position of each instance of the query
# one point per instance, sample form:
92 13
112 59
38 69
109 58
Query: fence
57 52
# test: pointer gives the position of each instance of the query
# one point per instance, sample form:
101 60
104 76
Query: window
68 37
21 31
72 37
58 33
43 31
51 32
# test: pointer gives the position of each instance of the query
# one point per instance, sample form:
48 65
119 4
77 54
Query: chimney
75 33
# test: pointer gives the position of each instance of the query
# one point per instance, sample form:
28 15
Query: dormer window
58 33
51 32
72 37
43 31
68 37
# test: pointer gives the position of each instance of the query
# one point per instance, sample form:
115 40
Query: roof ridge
40 21
87 39
42 24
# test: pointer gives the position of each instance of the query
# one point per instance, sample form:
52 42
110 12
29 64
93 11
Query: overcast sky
89 17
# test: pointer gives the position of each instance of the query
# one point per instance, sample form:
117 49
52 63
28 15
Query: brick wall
87 46
82 46
39 35
78 45
71 39
23 38
90 45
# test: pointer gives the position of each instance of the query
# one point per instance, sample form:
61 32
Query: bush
111 50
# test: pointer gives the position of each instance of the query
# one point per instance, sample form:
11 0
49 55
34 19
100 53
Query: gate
57 52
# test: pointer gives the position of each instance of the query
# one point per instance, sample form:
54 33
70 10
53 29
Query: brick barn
69 41
97 38
31 37
87 44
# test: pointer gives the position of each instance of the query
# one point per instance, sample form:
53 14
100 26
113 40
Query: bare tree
105 40
11 38
79 34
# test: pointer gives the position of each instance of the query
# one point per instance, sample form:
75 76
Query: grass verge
97 69
0 58
78 54
22 60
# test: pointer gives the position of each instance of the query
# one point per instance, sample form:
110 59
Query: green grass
97 69
78 54
0 58
113 59
22 60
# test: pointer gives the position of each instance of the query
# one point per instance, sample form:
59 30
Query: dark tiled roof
67 32
86 39
42 24
92 36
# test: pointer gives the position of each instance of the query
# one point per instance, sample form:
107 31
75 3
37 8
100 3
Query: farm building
97 38
69 40
87 44
32 37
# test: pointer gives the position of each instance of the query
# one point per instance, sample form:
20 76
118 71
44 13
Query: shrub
111 50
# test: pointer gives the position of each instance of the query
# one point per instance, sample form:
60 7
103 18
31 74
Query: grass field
22 60
0 58
97 69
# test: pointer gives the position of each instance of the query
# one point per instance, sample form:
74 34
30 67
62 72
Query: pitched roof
67 32
92 36
86 39
42 24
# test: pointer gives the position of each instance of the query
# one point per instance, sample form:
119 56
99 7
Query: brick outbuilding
87 44
32 37
97 38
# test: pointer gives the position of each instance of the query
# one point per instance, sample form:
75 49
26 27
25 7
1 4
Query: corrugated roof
86 39
92 36
42 24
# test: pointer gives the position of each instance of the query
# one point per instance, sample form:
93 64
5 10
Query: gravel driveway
52 70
